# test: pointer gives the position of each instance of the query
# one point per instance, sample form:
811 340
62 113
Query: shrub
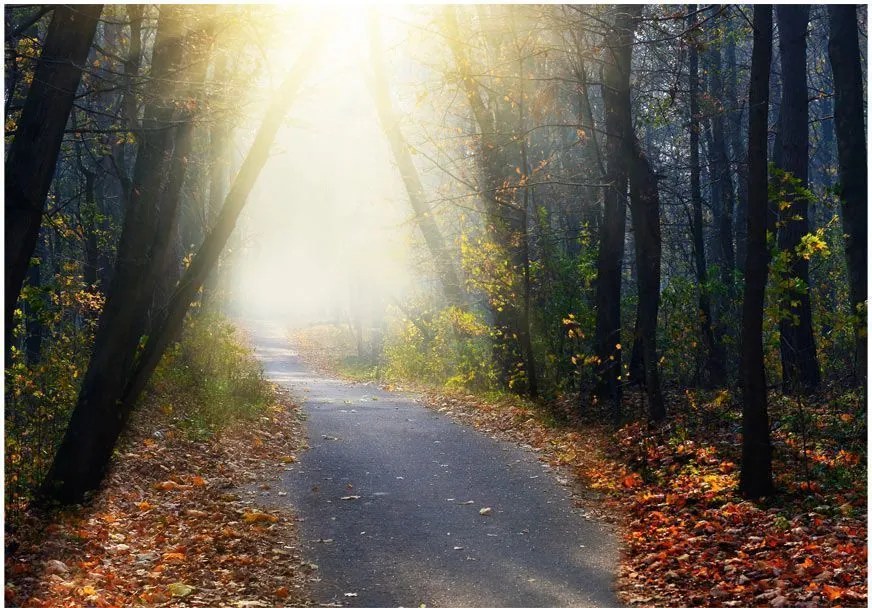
210 379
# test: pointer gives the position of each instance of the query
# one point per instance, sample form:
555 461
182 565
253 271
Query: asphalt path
389 496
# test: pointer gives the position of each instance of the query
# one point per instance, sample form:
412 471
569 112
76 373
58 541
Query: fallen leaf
179 589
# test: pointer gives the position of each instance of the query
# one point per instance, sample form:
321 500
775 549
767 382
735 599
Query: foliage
42 379
450 348
210 379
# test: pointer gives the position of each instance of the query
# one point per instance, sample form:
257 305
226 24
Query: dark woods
628 200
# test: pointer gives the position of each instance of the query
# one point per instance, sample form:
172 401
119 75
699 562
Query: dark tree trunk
32 156
100 416
80 463
714 353
799 365
755 478
645 206
844 51
618 126
722 185
451 286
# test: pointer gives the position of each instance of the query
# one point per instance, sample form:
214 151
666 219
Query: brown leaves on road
171 527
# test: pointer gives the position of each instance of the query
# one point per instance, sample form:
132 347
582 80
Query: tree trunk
499 155
451 287
799 365
844 51
645 207
32 156
755 478
737 149
714 352
97 418
618 126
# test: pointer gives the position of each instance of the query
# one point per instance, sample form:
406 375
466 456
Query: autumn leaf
179 589
253 517
832 593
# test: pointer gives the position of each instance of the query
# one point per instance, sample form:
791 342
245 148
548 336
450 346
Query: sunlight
320 232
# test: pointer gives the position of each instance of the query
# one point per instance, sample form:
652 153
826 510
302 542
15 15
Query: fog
328 227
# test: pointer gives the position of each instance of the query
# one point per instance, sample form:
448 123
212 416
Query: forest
633 237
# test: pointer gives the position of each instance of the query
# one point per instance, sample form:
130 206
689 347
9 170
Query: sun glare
320 234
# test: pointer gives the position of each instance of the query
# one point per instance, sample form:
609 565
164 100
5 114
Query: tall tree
714 352
618 126
755 479
645 207
800 370
844 51
33 153
451 287
100 415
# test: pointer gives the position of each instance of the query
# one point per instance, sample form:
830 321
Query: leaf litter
170 526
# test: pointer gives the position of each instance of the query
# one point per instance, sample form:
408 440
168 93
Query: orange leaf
282 592
633 480
832 592
173 557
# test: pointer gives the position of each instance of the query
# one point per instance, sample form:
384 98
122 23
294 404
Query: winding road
389 498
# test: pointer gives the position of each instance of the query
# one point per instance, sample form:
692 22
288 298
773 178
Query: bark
645 207
618 126
844 52
755 479
738 150
714 352
799 365
33 153
451 286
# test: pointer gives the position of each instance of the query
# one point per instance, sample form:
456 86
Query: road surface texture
390 492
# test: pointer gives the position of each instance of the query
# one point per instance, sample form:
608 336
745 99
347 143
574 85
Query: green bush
210 379
449 348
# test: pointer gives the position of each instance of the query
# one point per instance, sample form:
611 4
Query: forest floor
179 522
689 539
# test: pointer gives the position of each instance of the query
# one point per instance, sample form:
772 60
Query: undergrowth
210 379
